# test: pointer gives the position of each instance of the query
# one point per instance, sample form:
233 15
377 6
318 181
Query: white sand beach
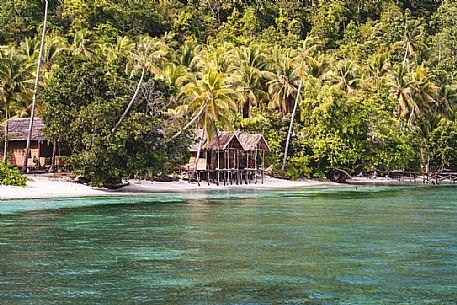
185 186
384 180
46 187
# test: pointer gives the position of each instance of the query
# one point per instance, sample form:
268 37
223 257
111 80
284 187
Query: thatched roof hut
227 140
231 139
253 142
18 130
231 156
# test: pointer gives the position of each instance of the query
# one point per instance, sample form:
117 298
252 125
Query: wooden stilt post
227 166
237 168
207 169
247 167
255 165
263 164
218 166
231 172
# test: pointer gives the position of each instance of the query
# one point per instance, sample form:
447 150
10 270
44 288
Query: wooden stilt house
232 157
225 153
255 147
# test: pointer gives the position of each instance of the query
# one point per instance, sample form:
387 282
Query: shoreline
44 187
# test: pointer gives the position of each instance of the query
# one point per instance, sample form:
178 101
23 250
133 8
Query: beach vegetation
10 175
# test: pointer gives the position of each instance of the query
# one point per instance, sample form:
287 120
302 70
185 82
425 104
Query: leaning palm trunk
405 57
198 157
131 102
188 125
35 92
411 117
291 126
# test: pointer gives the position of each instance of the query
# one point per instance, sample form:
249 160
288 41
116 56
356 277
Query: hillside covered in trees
376 80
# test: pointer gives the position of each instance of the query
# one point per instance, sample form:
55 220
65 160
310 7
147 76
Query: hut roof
18 130
251 142
226 140
230 139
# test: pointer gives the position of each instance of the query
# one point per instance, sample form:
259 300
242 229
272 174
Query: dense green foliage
11 176
379 80
82 107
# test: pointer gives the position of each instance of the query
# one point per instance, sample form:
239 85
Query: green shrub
11 176
298 167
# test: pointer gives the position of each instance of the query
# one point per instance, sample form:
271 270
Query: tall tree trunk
246 111
35 92
406 44
411 117
291 126
427 164
131 102
53 158
405 57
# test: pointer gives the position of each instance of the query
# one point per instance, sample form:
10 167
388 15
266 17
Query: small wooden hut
255 146
230 157
225 153
17 132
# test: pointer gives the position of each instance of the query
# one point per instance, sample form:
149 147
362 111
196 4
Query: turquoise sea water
314 246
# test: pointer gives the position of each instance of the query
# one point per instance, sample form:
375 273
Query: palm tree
446 96
53 46
188 56
249 75
113 51
307 65
30 48
16 74
442 108
423 92
412 44
175 75
416 93
378 66
147 57
84 43
209 101
220 58
283 82
401 88
345 76
35 91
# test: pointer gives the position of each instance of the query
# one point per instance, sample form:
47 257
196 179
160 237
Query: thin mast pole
35 92
291 126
